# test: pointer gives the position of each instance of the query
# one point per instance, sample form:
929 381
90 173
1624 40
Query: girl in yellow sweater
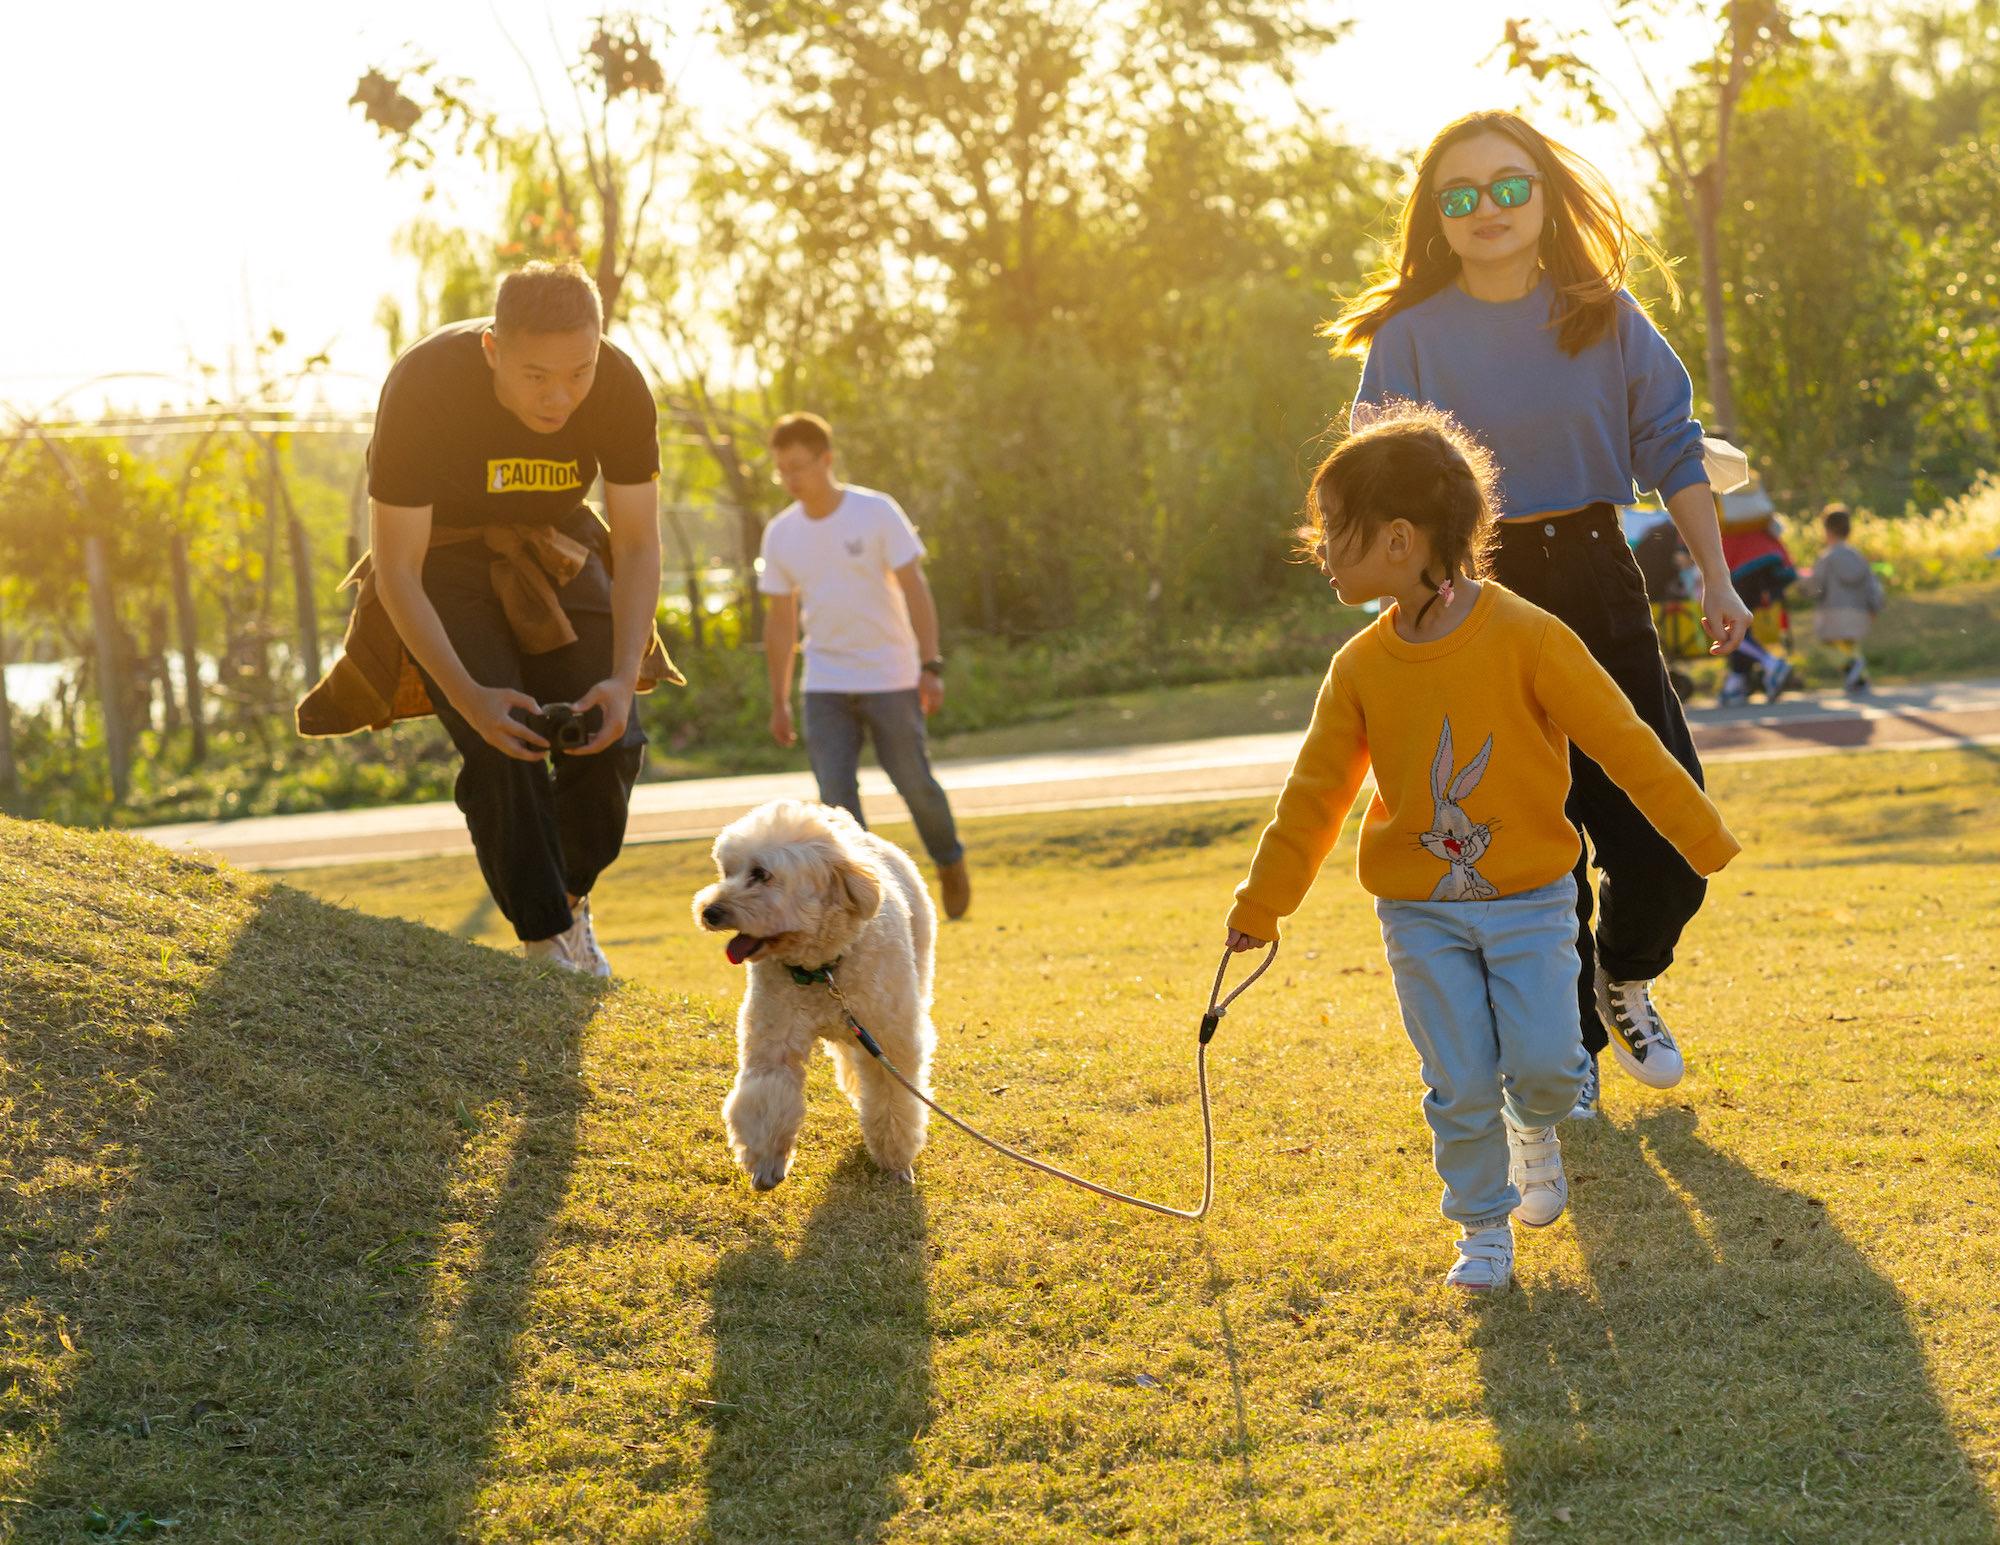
1465 699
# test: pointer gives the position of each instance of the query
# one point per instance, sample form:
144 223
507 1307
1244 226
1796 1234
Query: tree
1810 310
1690 133
1950 329
81 523
994 237
626 119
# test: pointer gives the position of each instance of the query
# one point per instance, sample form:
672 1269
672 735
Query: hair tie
1445 592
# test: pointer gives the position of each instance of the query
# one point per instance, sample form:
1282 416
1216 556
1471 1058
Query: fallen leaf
1563 1515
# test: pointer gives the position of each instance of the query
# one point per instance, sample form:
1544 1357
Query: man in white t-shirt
846 562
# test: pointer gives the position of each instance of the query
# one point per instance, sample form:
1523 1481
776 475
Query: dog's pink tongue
741 948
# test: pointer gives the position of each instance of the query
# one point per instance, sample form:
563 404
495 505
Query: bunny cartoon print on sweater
1454 836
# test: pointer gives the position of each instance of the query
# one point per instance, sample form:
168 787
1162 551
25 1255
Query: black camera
563 727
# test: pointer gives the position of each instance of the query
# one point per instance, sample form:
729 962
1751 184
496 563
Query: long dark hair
1587 246
1407 461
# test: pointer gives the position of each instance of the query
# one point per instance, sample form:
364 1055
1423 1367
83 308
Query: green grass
322 1226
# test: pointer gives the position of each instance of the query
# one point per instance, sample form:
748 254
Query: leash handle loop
1217 1009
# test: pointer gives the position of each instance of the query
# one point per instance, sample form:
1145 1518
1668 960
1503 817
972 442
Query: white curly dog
804 886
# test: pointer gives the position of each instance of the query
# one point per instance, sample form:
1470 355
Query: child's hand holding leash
1239 941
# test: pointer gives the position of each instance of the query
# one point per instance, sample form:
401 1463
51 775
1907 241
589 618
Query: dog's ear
858 884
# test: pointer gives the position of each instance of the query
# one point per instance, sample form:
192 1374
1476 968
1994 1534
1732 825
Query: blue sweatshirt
1567 430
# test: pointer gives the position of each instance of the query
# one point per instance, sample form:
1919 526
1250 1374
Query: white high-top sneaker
1535 1167
582 943
552 951
1485 1261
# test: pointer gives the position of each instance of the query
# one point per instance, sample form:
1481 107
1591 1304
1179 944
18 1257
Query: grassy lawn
322 1226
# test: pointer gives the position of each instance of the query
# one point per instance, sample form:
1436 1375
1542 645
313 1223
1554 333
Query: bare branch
542 107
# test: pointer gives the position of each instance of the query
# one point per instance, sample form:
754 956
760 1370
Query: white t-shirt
858 636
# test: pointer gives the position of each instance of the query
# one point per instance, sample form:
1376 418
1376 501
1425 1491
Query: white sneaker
1639 1037
1535 1168
583 946
1587 1096
1777 678
1485 1261
552 951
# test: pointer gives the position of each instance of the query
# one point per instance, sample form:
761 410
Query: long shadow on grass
822 1369
325 1181
1753 1378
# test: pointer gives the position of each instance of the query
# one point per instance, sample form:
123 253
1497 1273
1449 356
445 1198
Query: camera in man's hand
563 727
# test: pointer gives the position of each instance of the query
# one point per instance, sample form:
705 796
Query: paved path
1938 715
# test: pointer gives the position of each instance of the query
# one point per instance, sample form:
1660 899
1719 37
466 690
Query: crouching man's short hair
548 298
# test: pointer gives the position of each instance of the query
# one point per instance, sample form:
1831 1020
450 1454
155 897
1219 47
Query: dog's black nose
712 915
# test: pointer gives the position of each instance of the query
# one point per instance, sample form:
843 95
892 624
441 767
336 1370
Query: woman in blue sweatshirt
1507 308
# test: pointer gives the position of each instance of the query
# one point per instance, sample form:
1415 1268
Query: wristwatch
933 667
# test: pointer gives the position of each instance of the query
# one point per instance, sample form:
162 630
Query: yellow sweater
1469 736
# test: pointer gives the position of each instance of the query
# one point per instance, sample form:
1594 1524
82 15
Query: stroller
1761 569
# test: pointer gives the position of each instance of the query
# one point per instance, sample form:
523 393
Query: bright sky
183 177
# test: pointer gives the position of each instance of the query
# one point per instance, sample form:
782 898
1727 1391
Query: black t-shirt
443 439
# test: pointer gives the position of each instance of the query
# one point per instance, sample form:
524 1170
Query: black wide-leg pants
1580 568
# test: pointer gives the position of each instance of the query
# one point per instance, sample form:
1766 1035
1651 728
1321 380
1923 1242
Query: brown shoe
956 883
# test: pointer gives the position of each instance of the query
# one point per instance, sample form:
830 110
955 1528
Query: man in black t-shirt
510 595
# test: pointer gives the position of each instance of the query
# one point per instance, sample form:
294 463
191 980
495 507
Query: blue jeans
836 722
1488 993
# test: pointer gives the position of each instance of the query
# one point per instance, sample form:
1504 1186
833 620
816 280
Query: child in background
1465 699
1846 594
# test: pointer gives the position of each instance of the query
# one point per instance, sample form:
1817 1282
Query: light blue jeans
1488 993
836 723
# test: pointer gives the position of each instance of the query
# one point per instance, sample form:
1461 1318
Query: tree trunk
305 604
111 683
1715 327
157 648
690 574
1711 186
610 276
721 447
752 530
190 653
10 782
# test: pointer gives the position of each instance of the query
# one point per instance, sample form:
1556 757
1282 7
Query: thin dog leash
1209 1021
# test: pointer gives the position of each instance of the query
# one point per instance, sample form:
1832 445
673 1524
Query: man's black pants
541 837
1578 567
